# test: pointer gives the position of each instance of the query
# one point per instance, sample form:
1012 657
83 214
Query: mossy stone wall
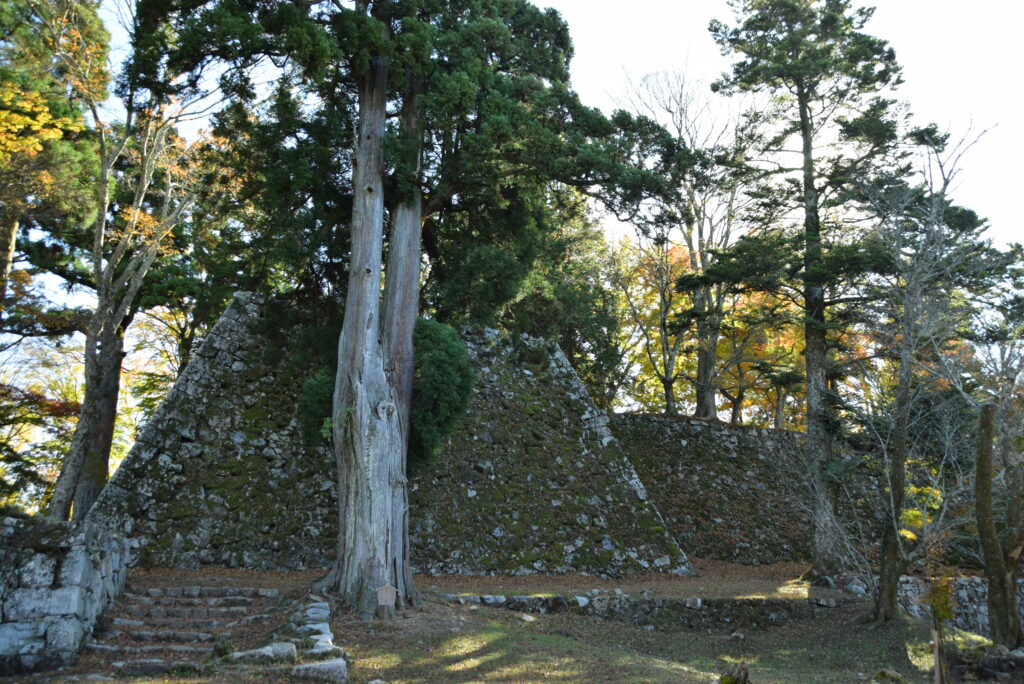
728 493
532 480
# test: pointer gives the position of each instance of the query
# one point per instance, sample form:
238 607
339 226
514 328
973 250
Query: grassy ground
443 643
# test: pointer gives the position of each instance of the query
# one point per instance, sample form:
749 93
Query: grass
444 643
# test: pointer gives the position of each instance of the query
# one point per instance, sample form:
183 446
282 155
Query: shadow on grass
483 645
502 651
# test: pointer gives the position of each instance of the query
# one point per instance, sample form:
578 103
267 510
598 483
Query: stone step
171 635
102 647
149 667
202 625
196 591
216 601
144 611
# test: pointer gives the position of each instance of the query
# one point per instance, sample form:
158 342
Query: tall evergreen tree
829 75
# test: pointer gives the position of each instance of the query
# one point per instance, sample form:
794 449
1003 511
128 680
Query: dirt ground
444 642
714 579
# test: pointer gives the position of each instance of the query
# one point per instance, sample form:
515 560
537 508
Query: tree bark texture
402 284
84 471
1003 614
669 392
892 563
96 467
779 413
707 360
367 427
8 237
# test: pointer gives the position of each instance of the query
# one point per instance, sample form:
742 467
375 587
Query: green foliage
566 297
26 416
940 599
315 406
441 391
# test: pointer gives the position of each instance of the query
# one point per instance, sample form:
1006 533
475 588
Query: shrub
442 387
315 406
441 391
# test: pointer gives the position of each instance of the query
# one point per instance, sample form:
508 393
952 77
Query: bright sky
960 62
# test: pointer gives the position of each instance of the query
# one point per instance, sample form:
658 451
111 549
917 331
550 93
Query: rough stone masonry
56 579
532 481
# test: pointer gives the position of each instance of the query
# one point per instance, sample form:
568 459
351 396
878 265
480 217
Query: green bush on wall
442 387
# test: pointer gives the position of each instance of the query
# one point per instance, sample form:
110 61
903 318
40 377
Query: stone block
274 653
335 670
21 637
64 635
29 604
38 572
76 570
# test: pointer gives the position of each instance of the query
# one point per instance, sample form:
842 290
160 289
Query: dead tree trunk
1000 563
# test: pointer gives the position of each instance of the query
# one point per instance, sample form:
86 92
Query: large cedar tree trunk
367 425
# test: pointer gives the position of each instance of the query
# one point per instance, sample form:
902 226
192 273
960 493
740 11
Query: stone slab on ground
335 670
278 652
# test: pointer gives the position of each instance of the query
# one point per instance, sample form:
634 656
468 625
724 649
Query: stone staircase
162 626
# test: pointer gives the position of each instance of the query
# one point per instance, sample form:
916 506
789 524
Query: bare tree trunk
368 432
84 471
779 417
736 410
1003 614
101 434
402 284
707 360
8 237
892 564
401 300
669 392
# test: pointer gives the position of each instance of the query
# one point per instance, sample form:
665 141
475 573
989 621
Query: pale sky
960 63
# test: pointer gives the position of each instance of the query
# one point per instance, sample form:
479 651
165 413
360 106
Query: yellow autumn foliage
26 123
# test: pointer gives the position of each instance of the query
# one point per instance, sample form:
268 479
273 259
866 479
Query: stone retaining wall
720 615
221 475
532 481
56 579
970 595
727 492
